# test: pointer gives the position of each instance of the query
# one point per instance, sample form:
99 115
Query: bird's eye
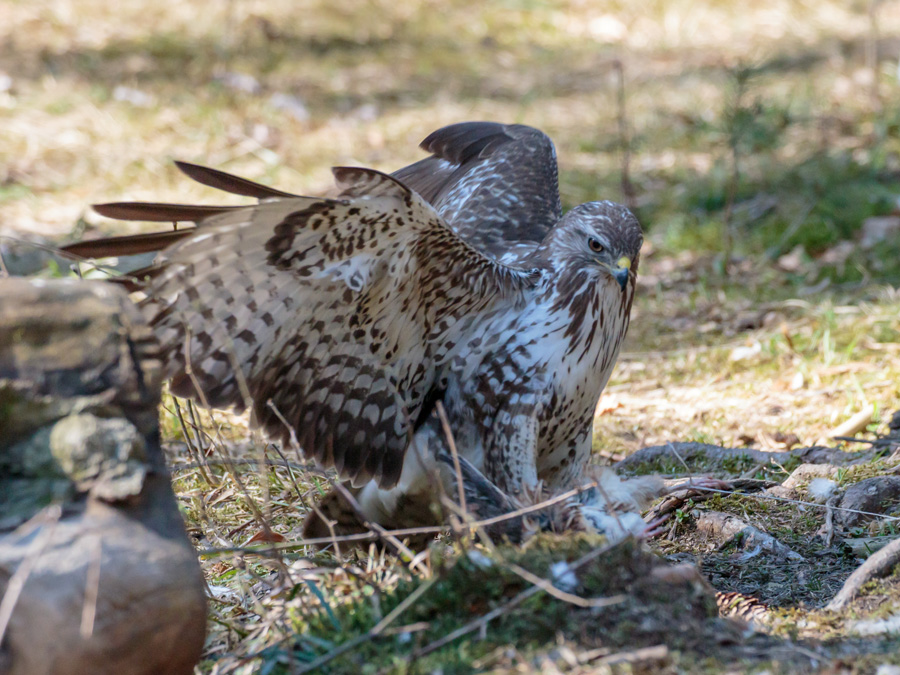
595 245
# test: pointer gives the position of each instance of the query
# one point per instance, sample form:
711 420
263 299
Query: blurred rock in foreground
96 572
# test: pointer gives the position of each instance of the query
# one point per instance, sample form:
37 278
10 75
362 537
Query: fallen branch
705 458
729 527
878 565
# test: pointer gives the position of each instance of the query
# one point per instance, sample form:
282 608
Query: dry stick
680 458
557 593
514 602
290 467
295 444
461 491
829 518
796 501
624 139
91 591
47 518
412 531
198 455
247 398
189 371
525 510
199 430
878 564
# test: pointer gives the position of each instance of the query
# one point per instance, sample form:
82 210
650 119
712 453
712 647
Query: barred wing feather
338 311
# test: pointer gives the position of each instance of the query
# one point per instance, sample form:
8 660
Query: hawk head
600 239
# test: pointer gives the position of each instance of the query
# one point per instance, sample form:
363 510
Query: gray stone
95 564
880 494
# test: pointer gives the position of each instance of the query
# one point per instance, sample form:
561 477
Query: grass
760 137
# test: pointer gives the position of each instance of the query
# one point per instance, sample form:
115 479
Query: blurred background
758 142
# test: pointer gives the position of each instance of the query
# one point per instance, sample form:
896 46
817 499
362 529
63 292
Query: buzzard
343 321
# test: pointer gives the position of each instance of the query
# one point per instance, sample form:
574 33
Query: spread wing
495 184
338 311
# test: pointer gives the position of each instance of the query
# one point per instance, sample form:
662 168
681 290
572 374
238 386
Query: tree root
878 565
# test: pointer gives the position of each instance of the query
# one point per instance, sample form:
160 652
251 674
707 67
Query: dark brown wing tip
227 182
461 142
159 212
127 245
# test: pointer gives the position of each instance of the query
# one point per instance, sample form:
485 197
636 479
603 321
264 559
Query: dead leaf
270 537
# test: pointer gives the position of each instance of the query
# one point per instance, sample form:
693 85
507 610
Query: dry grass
101 96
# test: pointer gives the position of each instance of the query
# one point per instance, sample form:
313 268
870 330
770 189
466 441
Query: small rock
290 104
563 576
793 261
240 82
879 494
745 352
480 560
838 254
878 229
806 473
820 489
135 97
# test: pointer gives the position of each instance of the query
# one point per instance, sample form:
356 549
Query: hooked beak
620 273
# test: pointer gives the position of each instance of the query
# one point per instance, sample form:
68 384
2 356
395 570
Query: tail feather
168 213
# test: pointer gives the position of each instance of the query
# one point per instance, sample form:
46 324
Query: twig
829 518
855 424
91 590
557 593
189 371
46 519
445 424
624 138
680 458
290 467
197 452
767 497
295 444
878 564
413 531
854 439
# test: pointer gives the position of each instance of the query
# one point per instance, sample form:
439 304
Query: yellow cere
624 262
